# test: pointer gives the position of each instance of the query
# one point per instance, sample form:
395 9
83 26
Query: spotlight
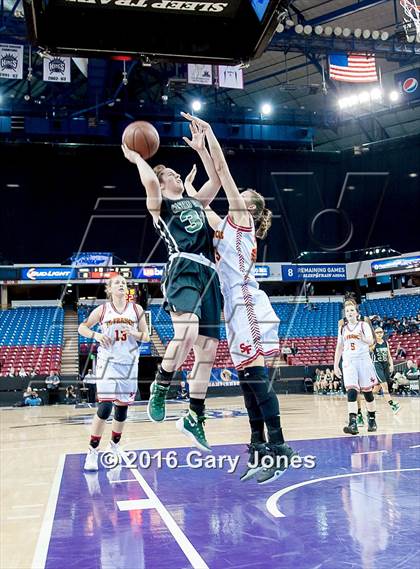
338 31
366 34
289 23
280 28
318 30
266 109
376 94
347 32
413 175
299 28
196 105
376 250
376 35
353 100
394 96
307 30
357 33
364 97
328 30
343 103
384 36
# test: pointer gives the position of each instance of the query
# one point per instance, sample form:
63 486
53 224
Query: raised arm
237 207
148 179
212 217
209 190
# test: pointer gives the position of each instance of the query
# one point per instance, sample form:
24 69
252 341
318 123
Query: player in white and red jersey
122 325
354 338
251 323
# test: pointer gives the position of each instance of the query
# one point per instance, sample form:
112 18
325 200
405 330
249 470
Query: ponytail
264 223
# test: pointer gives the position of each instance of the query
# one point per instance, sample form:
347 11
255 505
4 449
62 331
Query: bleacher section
313 332
31 338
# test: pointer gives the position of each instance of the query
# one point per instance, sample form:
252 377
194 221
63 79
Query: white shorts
116 382
359 374
251 325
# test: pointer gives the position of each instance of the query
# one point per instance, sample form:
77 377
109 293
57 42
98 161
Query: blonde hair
158 170
108 285
261 214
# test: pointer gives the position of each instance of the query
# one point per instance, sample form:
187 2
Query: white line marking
415 446
271 503
121 481
184 543
127 505
24 517
41 549
370 452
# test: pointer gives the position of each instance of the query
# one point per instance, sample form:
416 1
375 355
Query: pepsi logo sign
410 85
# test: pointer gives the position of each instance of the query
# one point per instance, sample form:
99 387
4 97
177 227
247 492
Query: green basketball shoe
193 427
156 407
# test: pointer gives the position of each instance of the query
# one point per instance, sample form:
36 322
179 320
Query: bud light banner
314 272
393 265
47 274
408 84
92 259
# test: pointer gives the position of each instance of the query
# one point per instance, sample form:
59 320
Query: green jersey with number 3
184 228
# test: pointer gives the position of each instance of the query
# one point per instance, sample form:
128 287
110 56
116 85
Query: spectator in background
401 383
31 398
52 383
22 372
90 382
286 351
412 372
400 353
12 372
294 349
71 397
183 391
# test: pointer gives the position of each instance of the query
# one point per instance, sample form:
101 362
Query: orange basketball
142 137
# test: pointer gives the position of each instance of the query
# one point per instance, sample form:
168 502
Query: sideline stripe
41 549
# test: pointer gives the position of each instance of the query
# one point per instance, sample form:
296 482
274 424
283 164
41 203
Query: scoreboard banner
400 264
150 272
314 272
47 274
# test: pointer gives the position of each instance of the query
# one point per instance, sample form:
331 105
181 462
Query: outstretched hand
203 124
188 184
197 137
131 155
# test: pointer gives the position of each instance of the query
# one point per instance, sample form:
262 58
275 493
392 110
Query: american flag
353 68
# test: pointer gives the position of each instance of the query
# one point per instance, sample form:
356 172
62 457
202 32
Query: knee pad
104 410
368 395
120 413
352 395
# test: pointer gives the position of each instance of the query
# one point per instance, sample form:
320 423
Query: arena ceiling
291 75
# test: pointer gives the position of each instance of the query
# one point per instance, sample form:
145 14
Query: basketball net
412 19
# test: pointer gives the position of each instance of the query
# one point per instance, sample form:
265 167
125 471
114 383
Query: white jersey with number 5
353 346
124 349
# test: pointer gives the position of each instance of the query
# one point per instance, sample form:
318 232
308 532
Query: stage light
353 100
366 34
328 30
394 96
347 32
307 30
357 33
299 28
384 36
364 97
266 109
343 103
376 250
376 94
376 35
338 31
318 30
196 105
280 28
413 175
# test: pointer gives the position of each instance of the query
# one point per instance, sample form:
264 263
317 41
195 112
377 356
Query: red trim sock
94 441
116 437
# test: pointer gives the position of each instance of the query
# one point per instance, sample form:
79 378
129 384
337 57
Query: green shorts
382 371
189 286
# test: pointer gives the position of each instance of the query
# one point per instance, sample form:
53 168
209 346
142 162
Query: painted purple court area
181 518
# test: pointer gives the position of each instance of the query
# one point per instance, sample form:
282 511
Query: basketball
142 137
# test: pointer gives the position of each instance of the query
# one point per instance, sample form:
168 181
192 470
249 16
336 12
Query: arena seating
31 338
313 332
85 344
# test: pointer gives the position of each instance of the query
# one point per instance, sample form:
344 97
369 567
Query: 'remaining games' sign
313 272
